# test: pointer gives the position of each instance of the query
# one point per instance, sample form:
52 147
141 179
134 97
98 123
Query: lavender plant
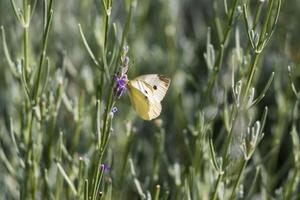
229 125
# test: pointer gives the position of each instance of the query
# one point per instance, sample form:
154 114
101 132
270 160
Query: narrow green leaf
66 177
7 54
213 155
87 47
263 93
16 10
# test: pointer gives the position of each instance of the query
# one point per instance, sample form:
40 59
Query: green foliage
229 128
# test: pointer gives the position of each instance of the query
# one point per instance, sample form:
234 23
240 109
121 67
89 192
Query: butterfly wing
158 83
142 99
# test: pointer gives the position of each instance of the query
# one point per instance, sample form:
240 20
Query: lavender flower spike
105 167
121 85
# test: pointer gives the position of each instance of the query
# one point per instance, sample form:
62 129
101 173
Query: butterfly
146 92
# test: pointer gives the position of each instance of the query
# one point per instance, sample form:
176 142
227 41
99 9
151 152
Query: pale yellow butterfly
146 92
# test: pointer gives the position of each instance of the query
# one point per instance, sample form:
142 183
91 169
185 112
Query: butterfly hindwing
155 109
142 99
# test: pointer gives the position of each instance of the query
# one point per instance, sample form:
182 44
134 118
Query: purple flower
121 85
126 61
114 109
105 167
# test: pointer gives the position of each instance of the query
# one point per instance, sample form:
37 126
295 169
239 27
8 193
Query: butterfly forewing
159 84
146 93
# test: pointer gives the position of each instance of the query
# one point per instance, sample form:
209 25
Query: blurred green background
166 37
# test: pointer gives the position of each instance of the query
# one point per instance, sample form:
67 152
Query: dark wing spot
146 92
164 79
146 97
154 87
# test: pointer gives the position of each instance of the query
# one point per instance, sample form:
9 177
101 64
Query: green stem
97 175
42 57
234 114
110 99
255 22
105 128
29 158
291 184
250 77
86 190
51 132
253 66
26 37
215 193
157 191
266 24
257 54
257 14
244 163
29 149
107 17
219 59
230 22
